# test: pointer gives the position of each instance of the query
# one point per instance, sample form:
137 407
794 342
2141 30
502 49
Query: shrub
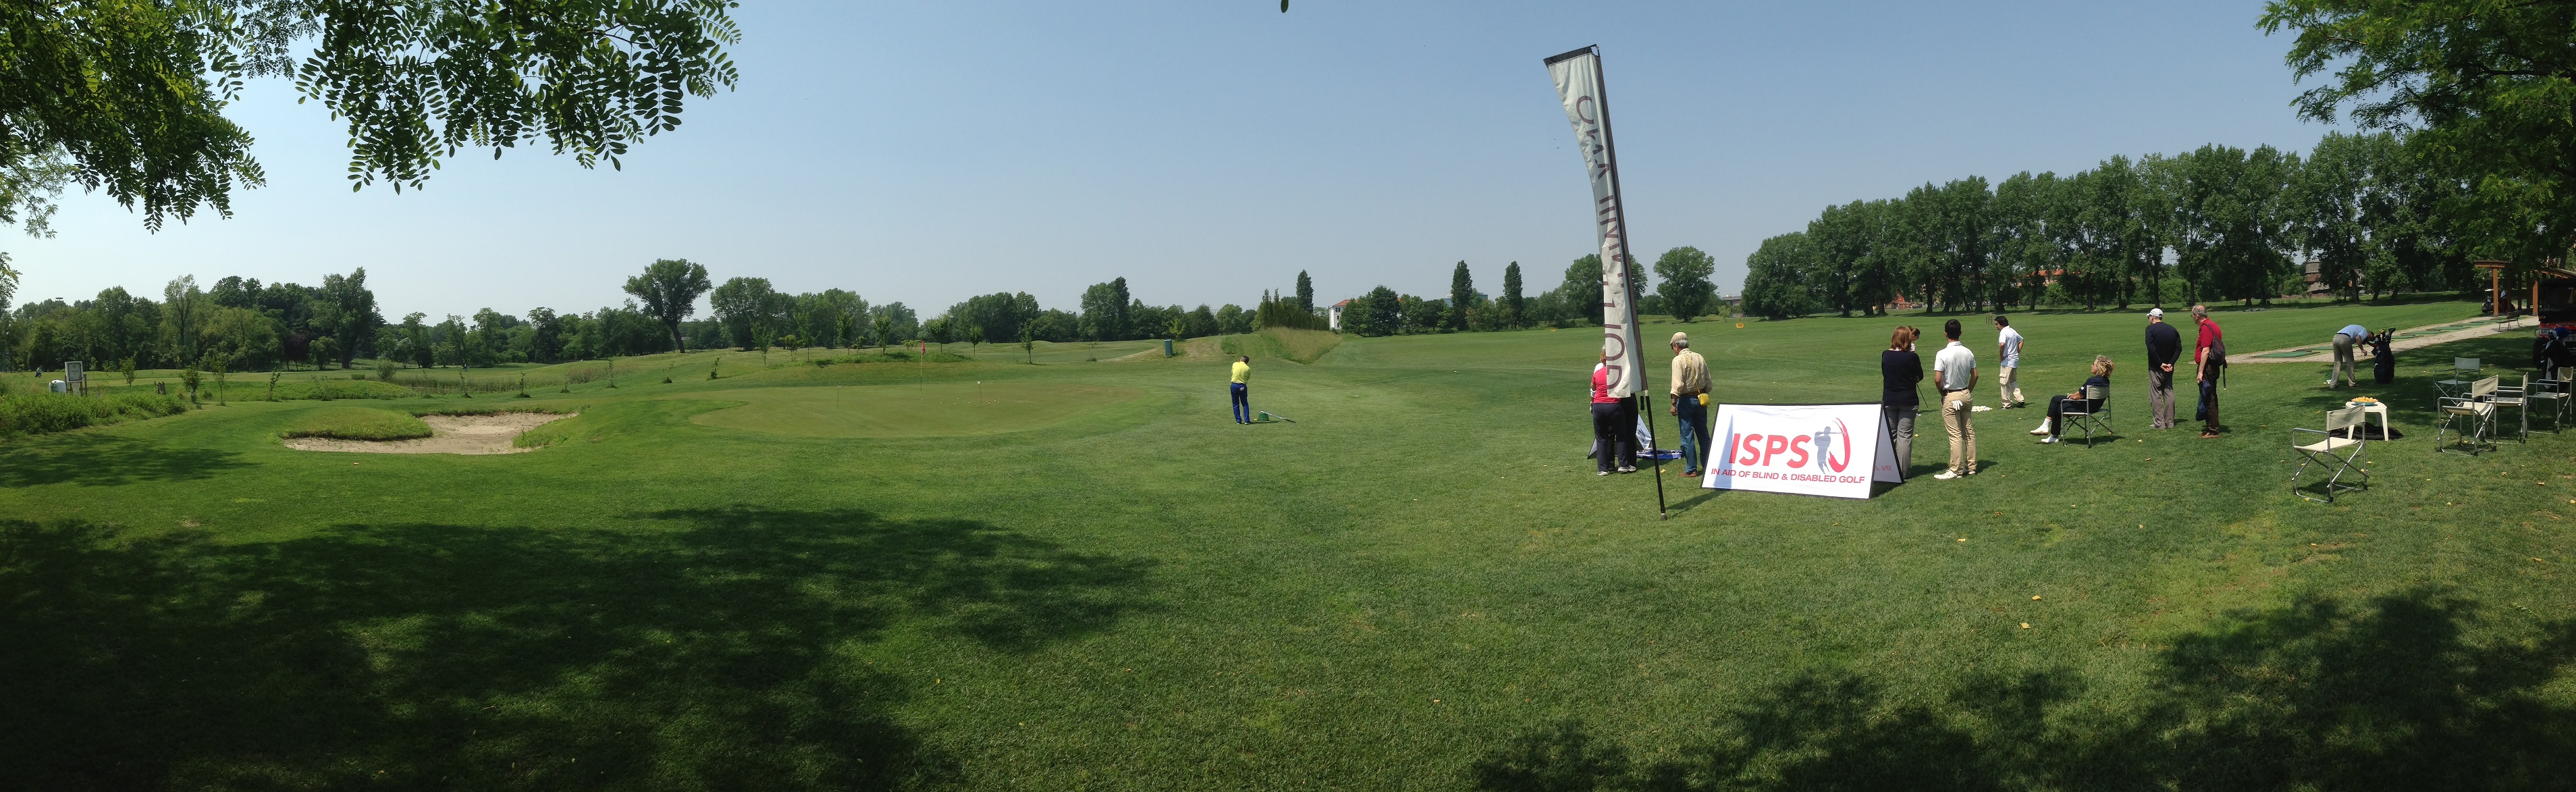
40 413
357 423
327 390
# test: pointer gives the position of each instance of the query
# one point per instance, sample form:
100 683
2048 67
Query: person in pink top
1614 438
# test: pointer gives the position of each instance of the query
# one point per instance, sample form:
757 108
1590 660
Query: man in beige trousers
1954 371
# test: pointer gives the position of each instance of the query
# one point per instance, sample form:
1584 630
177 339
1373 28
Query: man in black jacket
2164 345
2545 353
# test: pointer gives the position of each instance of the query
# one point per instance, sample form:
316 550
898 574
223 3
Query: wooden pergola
2550 268
2495 284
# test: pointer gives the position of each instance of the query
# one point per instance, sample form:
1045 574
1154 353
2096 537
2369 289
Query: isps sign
1834 450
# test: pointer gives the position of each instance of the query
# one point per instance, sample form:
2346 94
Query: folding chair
2476 411
2550 395
2513 397
2081 415
2463 371
2337 448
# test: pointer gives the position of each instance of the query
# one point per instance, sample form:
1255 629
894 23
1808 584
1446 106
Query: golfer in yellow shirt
1242 399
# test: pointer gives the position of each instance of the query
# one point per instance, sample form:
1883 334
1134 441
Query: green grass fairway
802 577
946 409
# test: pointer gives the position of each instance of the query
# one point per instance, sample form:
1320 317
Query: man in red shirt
2209 356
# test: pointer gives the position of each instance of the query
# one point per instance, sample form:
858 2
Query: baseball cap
2156 312
1681 338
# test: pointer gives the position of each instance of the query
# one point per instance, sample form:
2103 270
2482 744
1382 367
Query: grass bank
356 423
1303 346
42 413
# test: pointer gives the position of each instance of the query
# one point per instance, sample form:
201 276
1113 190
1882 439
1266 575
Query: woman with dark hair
1614 441
2055 423
1899 371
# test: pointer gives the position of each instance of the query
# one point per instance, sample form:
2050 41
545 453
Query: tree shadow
2319 695
98 460
719 649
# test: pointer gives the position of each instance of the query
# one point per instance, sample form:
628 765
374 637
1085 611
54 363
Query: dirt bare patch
449 434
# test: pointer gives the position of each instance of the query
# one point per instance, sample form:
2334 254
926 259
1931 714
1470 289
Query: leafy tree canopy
129 97
2490 85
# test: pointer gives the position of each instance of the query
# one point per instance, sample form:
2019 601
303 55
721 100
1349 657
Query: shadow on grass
105 461
2317 696
717 649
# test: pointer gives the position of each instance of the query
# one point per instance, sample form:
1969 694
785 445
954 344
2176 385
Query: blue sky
925 152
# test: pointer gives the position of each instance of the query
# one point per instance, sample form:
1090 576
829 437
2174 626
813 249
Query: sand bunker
450 434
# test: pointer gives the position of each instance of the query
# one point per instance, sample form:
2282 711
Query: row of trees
242 324
2375 213
1686 293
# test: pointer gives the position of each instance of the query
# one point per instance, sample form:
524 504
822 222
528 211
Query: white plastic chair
2336 448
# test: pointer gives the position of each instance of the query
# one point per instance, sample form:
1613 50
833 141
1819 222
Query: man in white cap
2164 345
1690 385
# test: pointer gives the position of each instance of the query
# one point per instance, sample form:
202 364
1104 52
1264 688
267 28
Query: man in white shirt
1954 371
2008 364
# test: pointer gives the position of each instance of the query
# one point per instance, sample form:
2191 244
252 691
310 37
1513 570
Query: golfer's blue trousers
1242 403
1693 417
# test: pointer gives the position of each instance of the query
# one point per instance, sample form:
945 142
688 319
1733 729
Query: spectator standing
2164 346
1614 439
1690 403
2562 355
1955 372
2209 357
2008 364
2345 369
2054 425
1899 370
2545 353
1241 390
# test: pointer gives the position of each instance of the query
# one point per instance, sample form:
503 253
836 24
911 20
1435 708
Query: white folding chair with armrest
2552 398
2463 372
2337 449
2475 411
2083 415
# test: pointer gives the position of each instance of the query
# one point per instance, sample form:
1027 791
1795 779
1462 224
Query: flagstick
1610 152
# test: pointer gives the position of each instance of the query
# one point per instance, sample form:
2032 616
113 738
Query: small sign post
74 377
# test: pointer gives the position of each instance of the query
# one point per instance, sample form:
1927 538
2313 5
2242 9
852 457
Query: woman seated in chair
2055 422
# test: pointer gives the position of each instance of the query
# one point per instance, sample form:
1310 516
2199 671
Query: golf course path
2417 338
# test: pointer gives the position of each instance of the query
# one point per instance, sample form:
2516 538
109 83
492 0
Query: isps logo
1827 449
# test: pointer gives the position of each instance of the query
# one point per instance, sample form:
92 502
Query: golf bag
2383 361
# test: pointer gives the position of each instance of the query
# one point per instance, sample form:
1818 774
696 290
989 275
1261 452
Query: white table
2369 409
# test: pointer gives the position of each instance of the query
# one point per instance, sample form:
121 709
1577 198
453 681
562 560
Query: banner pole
1659 459
1627 262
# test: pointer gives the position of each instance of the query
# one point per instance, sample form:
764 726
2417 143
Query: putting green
908 410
